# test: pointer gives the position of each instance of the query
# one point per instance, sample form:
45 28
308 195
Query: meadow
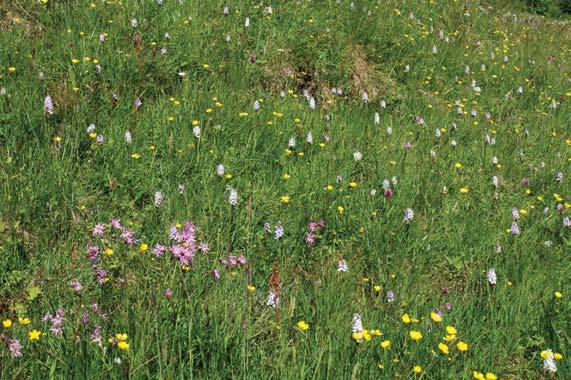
310 189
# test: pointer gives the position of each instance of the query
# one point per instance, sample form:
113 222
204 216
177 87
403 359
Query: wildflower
196 132
451 330
340 209
491 376
7 323
15 348
462 346
514 229
122 345
342 266
357 323
137 103
302 325
75 285
406 318
250 288
144 247
128 137
134 23
377 288
233 198
390 296
357 156
436 317
558 295
279 231
24 321
464 190
48 106
309 138
284 199
273 299
415 335
444 348
385 344
158 199
34 335
98 229
128 237
408 215
417 369
492 278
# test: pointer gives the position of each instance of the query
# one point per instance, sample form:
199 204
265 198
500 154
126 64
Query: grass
60 180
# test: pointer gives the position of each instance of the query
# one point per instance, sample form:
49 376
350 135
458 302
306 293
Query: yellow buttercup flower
123 345
34 335
491 376
417 369
444 348
462 346
450 338
121 336
436 317
143 247
406 318
415 335
451 330
302 325
251 288
385 344
545 354
7 323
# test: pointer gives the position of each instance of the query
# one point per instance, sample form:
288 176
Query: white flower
357 323
377 118
233 198
196 131
291 142
309 138
128 137
220 170
549 362
342 266
273 300
492 278
358 156
408 215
